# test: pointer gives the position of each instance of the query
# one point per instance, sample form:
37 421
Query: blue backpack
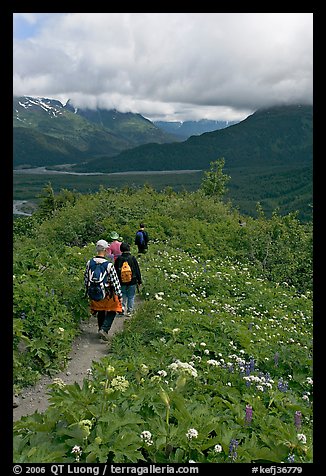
97 279
139 238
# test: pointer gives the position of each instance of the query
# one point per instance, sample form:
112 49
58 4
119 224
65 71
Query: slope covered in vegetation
216 364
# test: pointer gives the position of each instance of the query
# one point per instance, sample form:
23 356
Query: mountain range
192 128
46 132
269 155
278 136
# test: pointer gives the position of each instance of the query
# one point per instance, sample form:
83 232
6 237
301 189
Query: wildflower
192 433
183 367
162 373
144 369
120 383
174 331
212 362
301 437
276 356
218 448
252 364
146 436
85 426
89 372
290 459
232 449
297 419
248 417
59 382
77 451
310 381
110 370
282 386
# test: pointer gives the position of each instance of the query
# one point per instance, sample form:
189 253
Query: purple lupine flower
297 419
252 364
276 356
233 449
282 386
248 417
250 325
247 369
290 458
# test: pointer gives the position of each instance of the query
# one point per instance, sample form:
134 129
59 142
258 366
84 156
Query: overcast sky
167 66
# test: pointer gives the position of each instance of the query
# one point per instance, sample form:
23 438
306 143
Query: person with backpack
142 239
114 248
103 289
129 275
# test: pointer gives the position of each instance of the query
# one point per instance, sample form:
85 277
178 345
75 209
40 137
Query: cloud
167 65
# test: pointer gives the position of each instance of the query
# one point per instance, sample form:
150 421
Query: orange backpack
126 273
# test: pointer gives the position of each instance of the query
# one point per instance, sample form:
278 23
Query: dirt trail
87 347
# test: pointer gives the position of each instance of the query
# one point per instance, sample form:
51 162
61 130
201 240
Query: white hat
102 245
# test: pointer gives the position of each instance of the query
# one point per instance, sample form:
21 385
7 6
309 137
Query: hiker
129 279
114 248
105 309
142 239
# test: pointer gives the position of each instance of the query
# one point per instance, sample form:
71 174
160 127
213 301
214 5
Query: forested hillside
279 136
216 364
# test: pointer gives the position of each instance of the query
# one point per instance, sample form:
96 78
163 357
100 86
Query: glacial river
42 170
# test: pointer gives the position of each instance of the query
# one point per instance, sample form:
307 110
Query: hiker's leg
100 318
108 320
124 297
131 297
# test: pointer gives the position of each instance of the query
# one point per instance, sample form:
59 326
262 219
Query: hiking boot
103 335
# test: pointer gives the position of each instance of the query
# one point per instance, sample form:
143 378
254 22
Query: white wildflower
212 362
192 433
162 373
301 437
59 382
146 436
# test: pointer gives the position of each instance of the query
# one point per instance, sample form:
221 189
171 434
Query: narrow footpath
87 347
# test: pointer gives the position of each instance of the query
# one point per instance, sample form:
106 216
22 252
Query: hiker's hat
114 235
102 245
